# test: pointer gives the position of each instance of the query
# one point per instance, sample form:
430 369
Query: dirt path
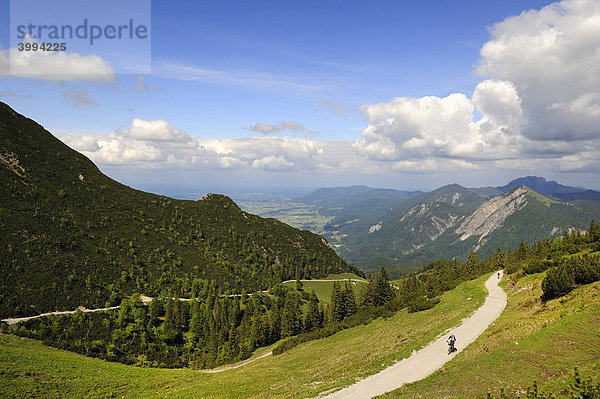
16 320
144 298
235 366
433 356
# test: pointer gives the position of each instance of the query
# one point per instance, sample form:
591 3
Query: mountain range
405 230
71 236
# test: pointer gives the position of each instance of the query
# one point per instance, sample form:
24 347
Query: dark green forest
71 236
214 328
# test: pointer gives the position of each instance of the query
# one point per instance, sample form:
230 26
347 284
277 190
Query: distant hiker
498 275
451 340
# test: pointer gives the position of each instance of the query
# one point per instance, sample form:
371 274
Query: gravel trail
431 358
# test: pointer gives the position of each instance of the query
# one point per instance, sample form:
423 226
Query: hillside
71 236
530 341
450 222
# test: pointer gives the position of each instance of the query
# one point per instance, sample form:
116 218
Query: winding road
429 359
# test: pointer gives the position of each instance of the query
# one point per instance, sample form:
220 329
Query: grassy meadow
323 288
30 369
531 340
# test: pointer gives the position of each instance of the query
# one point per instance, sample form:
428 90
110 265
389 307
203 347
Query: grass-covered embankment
531 340
30 369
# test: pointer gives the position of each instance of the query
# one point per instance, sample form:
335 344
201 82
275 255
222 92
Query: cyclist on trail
451 340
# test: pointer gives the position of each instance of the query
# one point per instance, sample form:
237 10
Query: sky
283 96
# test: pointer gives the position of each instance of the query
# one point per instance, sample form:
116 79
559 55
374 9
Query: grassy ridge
28 368
531 340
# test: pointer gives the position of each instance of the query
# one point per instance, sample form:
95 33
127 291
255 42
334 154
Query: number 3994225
42 46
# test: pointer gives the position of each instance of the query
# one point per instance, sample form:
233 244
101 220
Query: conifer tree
155 311
594 232
498 260
275 323
473 265
349 300
312 320
379 290
338 303
195 320
291 318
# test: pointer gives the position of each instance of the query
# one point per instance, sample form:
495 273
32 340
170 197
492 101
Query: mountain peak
541 185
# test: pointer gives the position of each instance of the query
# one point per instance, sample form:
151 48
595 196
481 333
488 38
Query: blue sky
279 94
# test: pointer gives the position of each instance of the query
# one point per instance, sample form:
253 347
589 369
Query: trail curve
431 358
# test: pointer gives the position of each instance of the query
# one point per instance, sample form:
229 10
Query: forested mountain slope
70 235
452 221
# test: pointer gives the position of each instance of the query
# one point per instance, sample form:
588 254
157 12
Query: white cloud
159 144
426 165
537 108
275 163
156 130
54 66
79 98
265 128
552 58
419 127
500 102
587 105
462 164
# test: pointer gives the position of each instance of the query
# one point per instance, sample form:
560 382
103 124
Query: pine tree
338 303
195 320
498 260
312 320
291 318
322 320
349 300
169 324
275 323
522 251
155 311
472 265
594 232
379 290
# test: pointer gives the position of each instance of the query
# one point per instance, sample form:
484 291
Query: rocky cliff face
491 215
431 220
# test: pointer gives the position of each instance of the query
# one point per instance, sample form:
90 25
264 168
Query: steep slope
583 195
452 221
522 214
71 236
401 235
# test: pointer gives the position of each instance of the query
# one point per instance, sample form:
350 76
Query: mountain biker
451 340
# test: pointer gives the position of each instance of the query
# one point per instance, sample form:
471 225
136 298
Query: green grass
323 289
30 369
342 276
530 341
